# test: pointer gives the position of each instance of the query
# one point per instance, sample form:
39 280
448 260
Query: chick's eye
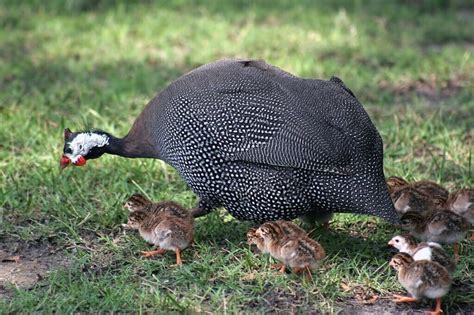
80 147
397 241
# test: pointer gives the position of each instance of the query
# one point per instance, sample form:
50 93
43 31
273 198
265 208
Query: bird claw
176 265
403 299
280 267
276 266
152 253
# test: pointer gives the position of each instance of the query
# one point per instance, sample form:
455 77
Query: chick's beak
64 162
391 243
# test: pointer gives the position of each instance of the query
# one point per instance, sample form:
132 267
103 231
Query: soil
385 306
24 264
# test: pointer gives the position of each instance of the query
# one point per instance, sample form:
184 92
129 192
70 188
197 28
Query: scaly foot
179 262
151 253
281 267
403 299
456 252
437 310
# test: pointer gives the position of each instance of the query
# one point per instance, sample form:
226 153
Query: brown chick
440 226
462 202
166 224
394 183
296 250
421 279
253 239
285 228
431 188
408 198
423 251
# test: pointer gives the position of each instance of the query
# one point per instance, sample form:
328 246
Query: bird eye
80 147
397 241
68 151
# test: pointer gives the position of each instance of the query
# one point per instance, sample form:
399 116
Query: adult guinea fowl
258 141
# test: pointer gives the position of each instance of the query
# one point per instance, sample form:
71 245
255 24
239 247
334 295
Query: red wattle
64 161
80 161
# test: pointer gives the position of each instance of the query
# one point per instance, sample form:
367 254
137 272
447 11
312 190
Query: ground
86 63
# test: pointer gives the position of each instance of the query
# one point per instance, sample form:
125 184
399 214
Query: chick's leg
403 299
159 251
437 310
306 271
456 251
281 267
202 209
179 262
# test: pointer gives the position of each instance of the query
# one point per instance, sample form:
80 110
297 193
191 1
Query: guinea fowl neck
126 147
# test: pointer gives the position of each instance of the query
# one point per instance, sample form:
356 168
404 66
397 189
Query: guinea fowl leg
201 210
306 271
179 262
403 299
456 251
437 310
159 251
281 267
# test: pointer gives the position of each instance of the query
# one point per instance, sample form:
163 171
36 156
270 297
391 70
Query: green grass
82 64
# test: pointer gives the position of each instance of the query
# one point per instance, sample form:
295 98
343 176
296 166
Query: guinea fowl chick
422 278
164 224
253 239
462 202
394 183
432 189
409 198
423 251
440 226
296 250
285 228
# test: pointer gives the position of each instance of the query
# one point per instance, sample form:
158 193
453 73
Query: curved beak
391 243
64 162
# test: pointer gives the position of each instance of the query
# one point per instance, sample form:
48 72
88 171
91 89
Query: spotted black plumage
264 144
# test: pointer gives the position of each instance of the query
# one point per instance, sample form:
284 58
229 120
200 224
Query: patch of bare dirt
385 306
24 264
283 301
432 88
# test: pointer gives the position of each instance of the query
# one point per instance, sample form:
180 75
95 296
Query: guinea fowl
394 183
462 202
287 243
422 278
432 189
421 196
423 251
439 226
408 198
164 224
258 141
